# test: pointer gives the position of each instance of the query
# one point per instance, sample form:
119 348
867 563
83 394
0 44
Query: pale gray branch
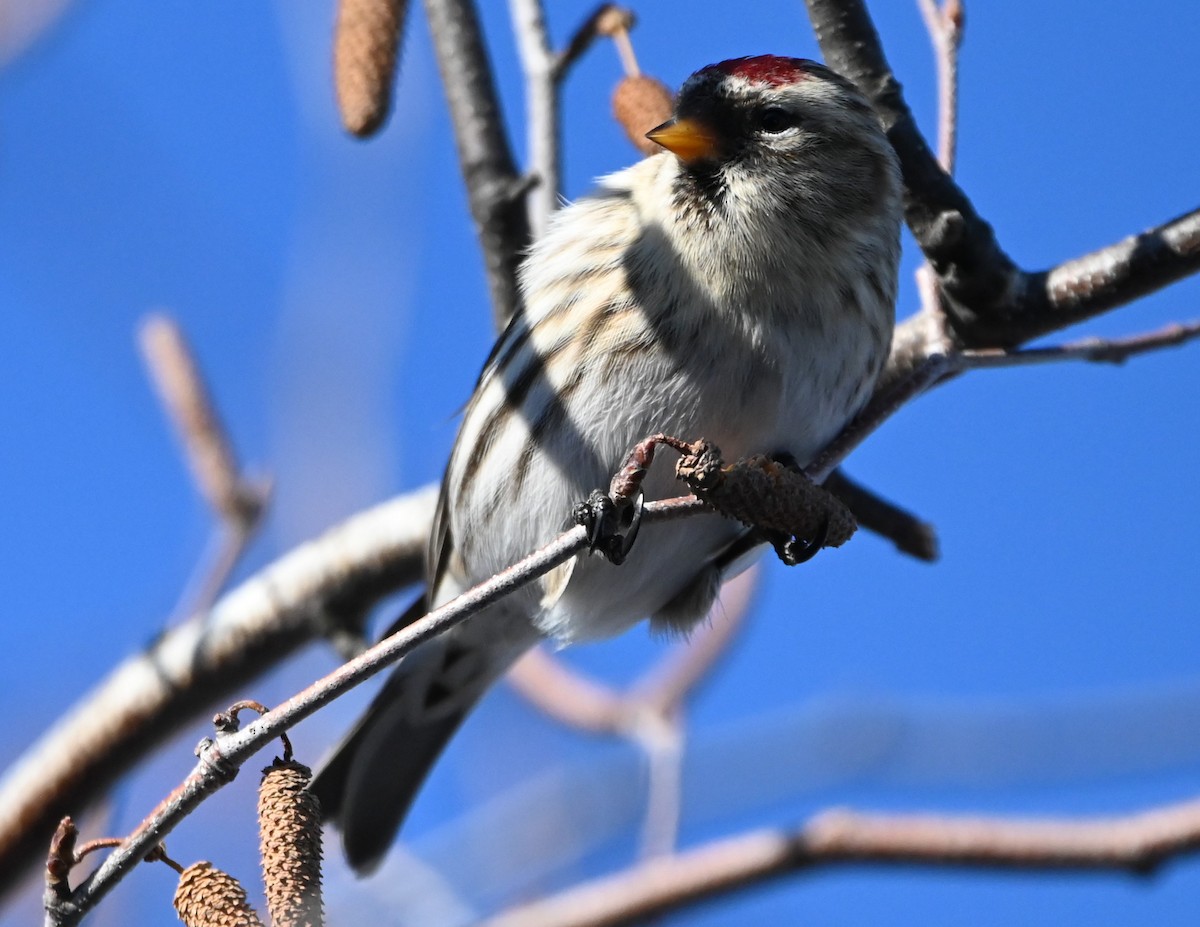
1136 842
539 63
944 21
154 694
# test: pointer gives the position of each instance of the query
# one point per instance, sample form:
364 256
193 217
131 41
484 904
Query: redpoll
738 287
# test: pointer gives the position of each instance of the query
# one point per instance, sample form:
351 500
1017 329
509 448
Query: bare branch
1086 286
238 501
961 246
206 444
600 23
909 533
494 188
944 21
1137 843
541 109
990 301
665 687
567 695
331 580
577 700
1095 350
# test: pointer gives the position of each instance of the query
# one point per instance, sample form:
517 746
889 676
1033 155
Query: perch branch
221 757
218 762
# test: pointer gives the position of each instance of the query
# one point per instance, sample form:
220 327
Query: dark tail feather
372 780
369 783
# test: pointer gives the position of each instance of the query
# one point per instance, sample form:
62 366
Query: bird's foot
612 523
793 550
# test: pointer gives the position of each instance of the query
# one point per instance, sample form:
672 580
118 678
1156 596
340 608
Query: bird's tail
372 777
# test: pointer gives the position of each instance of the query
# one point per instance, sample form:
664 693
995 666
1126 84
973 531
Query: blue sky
188 156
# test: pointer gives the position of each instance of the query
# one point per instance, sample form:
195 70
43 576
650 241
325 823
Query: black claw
612 525
598 513
794 551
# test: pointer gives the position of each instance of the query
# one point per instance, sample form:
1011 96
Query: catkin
639 104
209 897
365 48
289 823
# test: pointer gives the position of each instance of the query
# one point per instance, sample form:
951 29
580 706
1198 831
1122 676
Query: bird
739 286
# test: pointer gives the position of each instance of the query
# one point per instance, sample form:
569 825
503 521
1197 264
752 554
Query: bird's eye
776 119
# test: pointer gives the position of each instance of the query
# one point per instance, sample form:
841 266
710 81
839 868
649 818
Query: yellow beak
687 139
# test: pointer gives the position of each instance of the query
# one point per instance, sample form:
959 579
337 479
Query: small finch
738 286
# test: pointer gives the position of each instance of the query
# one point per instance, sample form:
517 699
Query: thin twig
495 190
188 402
666 685
598 24
616 22
1095 350
944 22
539 63
328 582
212 572
238 501
661 738
567 695
1137 843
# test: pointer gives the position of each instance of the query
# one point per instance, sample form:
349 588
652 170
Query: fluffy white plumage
739 288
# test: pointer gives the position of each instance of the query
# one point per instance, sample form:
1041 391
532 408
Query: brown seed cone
289 826
763 493
639 104
208 897
366 43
